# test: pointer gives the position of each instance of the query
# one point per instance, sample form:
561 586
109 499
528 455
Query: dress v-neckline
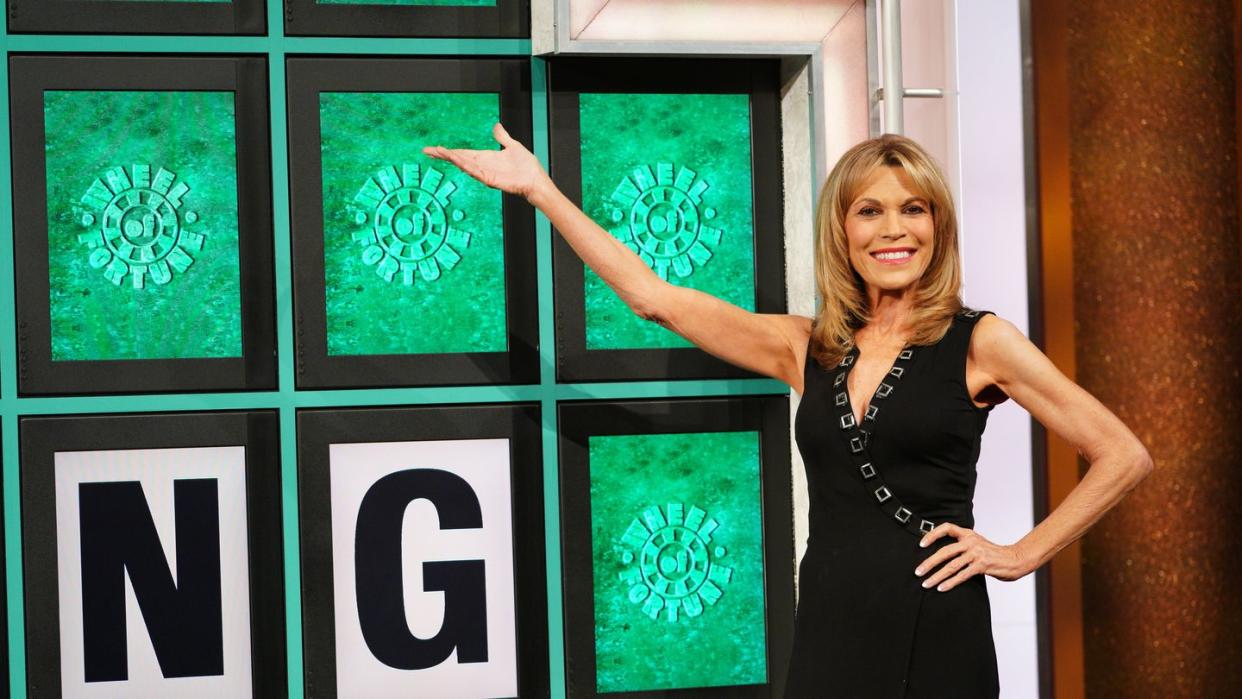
856 434
869 414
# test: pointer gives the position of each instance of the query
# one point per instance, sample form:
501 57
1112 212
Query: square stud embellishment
847 421
868 471
883 493
883 390
906 354
897 371
871 412
856 444
925 526
837 381
842 399
970 314
847 360
902 515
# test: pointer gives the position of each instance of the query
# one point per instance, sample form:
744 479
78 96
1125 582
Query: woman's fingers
963 575
463 159
948 569
972 554
442 153
939 557
961 556
502 137
509 170
942 529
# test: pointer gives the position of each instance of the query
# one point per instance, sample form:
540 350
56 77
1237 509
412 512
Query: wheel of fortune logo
408 223
663 218
673 566
135 225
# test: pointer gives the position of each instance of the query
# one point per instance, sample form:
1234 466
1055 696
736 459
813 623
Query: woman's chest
911 409
864 379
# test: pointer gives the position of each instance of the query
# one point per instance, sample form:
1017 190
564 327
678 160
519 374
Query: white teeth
901 255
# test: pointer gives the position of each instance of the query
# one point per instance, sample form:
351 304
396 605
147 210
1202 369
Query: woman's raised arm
770 344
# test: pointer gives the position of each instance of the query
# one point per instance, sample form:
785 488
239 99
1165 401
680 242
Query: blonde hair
844 305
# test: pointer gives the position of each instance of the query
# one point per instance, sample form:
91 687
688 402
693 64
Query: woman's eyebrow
869 200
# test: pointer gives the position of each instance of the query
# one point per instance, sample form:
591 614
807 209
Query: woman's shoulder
985 325
980 328
988 326
996 344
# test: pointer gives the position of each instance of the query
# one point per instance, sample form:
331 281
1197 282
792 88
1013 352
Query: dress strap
970 316
959 341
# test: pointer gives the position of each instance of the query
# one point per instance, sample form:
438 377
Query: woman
893 601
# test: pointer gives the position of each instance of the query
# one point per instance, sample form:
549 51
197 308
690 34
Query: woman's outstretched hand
512 169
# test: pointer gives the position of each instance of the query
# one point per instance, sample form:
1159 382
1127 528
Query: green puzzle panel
670 176
163 154
142 225
413 248
456 3
677 554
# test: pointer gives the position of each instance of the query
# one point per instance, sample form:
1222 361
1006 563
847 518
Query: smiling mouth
893 257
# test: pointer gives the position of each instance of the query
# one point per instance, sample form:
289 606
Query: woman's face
890 231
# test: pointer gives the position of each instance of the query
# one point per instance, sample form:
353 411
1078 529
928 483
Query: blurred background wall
1137 108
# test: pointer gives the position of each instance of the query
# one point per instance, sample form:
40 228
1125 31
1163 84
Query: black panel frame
507 19
580 420
93 17
567 79
319 428
245 76
257 431
307 77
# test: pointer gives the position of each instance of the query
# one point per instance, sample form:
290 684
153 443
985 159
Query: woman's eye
914 209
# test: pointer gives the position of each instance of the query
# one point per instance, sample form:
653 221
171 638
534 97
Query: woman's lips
893 257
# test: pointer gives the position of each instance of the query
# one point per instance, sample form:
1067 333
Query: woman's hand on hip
512 169
970 555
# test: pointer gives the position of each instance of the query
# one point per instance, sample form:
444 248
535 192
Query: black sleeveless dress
865 625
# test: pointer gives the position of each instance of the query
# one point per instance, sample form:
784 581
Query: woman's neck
890 311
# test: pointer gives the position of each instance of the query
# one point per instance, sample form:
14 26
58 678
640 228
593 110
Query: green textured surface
710 136
461 3
463 308
725 644
197 312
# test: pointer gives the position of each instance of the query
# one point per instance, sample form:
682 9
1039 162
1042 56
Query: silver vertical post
890 11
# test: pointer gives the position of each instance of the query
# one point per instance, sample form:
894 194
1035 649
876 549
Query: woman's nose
893 229
894 224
